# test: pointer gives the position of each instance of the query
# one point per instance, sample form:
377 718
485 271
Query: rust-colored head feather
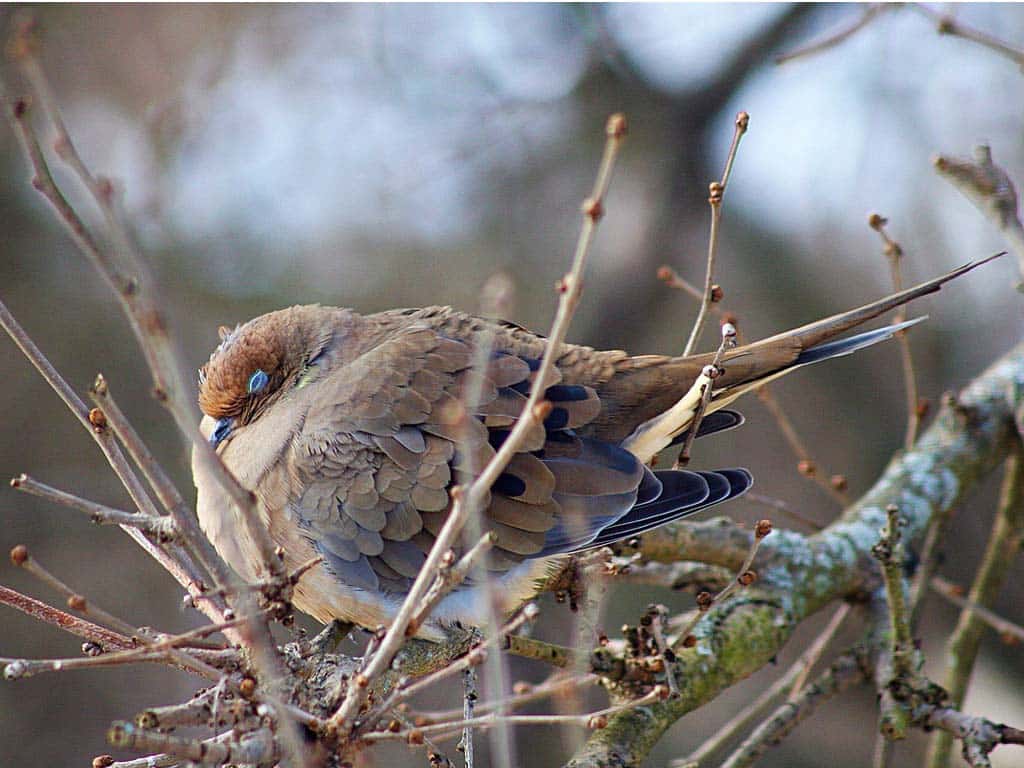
278 343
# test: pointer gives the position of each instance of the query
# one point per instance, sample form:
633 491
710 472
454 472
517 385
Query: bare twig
526 693
132 291
161 528
20 556
1003 547
716 192
946 24
869 14
783 508
165 490
745 577
847 670
595 720
1009 631
148 324
915 409
991 190
834 486
94 633
451 574
711 372
179 564
466 501
251 748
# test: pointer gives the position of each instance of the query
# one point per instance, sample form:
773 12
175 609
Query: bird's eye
257 382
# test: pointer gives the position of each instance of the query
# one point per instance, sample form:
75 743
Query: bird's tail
816 333
768 358
816 354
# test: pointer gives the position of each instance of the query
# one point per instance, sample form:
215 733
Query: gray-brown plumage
352 429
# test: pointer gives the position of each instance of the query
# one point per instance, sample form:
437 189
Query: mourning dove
352 430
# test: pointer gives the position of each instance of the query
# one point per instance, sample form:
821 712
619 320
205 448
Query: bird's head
258 363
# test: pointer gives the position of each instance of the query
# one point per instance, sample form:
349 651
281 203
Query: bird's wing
390 432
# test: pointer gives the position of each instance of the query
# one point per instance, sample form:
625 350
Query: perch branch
801 574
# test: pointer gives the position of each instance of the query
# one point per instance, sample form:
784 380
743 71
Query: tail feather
813 334
851 344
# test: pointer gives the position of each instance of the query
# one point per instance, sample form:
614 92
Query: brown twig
915 408
20 556
946 24
526 693
716 193
132 292
161 528
834 486
1009 631
745 577
992 192
711 372
467 500
165 490
149 326
94 633
783 508
595 720
1001 551
847 670
175 561
869 14
254 747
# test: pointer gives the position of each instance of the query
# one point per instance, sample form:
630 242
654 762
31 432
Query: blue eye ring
257 382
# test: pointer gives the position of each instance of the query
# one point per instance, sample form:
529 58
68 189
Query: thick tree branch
799 575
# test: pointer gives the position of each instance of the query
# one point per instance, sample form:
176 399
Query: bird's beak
220 431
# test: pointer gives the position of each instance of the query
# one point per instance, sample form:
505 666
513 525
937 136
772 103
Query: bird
352 431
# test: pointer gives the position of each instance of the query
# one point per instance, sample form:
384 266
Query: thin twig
132 291
178 564
165 490
254 747
162 528
991 190
847 670
712 372
556 685
716 193
946 24
596 719
745 577
783 508
21 557
894 253
148 323
834 486
105 638
1003 547
451 574
1008 630
833 39
467 500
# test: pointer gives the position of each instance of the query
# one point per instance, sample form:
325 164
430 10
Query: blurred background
379 156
